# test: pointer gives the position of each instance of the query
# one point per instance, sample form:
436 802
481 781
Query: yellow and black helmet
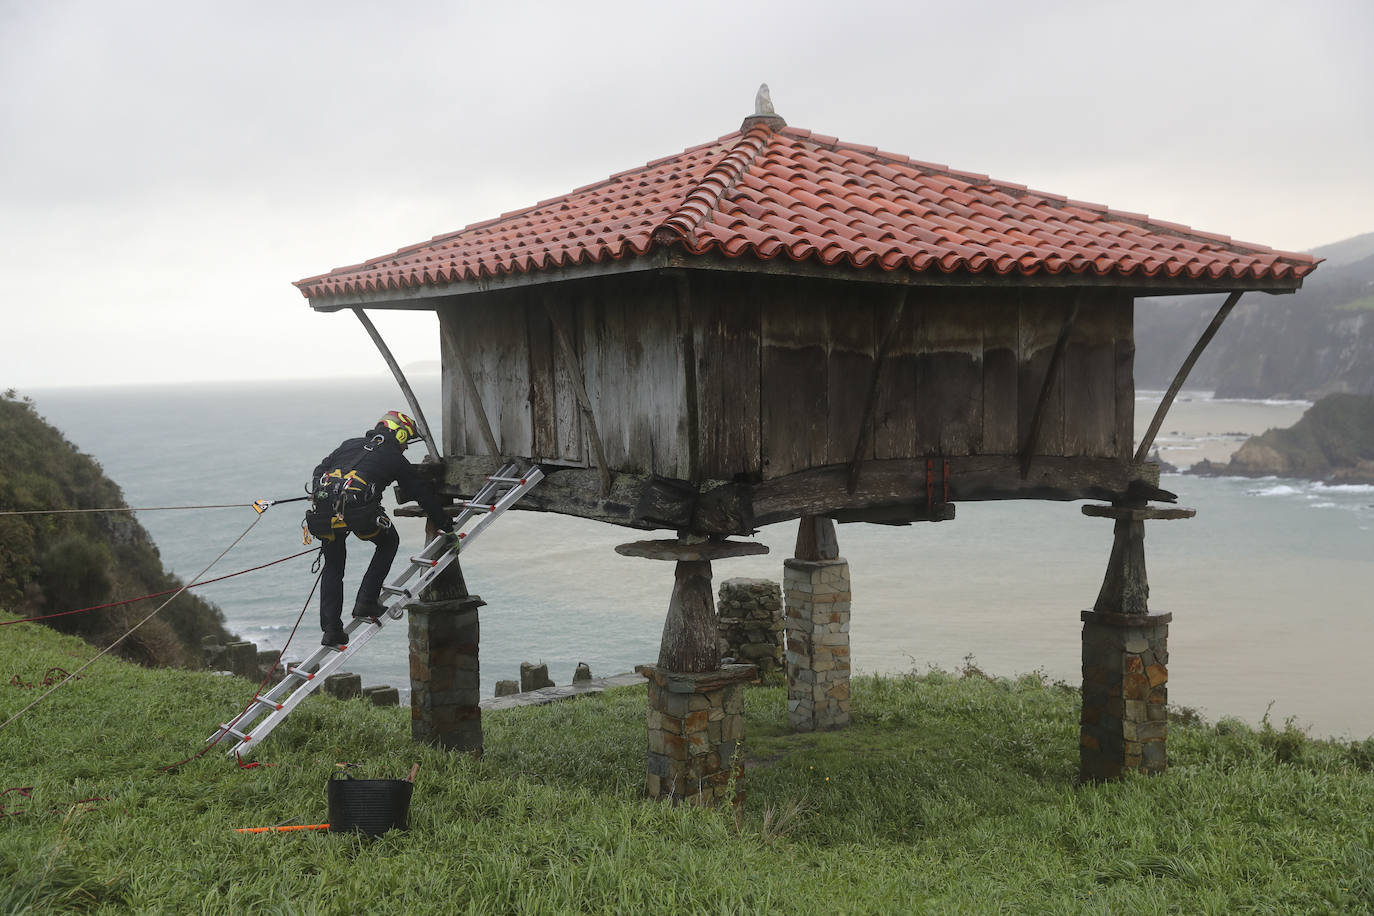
402 426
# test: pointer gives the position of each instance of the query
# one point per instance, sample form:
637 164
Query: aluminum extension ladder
267 710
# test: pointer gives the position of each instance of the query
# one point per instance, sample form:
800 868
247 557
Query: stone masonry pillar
1124 722
696 706
816 593
445 672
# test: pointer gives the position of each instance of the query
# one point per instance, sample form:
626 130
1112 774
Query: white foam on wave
1344 488
1281 489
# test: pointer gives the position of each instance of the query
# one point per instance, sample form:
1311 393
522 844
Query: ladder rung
397 590
304 675
230 730
270 704
478 507
424 561
519 481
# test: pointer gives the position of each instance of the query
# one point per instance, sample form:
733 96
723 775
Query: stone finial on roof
763 112
763 102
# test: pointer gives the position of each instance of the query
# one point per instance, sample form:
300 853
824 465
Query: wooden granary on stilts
779 325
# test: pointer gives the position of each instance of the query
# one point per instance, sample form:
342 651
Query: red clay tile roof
791 194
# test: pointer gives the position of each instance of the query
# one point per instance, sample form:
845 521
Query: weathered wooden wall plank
949 376
656 380
725 321
499 359
543 388
1042 314
1123 310
795 391
898 399
1001 361
1088 377
851 319
453 394
632 361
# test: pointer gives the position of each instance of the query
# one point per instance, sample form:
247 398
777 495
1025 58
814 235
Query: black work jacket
382 465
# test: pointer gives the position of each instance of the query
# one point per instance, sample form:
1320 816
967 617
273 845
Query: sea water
1270 585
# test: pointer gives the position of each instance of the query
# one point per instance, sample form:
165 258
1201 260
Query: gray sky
170 168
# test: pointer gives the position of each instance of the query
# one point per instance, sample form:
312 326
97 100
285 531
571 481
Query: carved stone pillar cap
1112 619
673 549
687 682
1140 514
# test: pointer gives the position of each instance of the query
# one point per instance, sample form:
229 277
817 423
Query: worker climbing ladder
267 710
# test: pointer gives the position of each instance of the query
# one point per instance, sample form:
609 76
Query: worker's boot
370 608
335 637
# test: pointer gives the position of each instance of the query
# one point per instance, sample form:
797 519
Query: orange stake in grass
281 829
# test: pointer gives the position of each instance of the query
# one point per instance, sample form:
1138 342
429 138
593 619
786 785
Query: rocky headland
1332 443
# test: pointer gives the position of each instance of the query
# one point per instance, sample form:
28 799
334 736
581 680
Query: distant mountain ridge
1317 341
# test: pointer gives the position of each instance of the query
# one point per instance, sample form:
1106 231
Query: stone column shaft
1124 723
445 674
817 604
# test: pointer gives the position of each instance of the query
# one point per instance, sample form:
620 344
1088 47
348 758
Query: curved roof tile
765 194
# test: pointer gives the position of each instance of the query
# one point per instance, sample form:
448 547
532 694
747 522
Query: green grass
948 794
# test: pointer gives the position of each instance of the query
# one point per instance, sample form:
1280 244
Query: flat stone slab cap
1144 513
673 549
687 682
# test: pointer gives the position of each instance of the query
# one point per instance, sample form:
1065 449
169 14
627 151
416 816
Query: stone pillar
696 723
445 672
1124 722
695 707
817 596
751 622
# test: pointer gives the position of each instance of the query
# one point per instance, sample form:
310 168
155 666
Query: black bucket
369 806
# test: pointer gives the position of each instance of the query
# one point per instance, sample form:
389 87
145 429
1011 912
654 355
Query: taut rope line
260 505
131 630
101 607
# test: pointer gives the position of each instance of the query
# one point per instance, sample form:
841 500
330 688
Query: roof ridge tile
701 201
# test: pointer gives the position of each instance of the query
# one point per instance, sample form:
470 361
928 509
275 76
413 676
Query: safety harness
341 500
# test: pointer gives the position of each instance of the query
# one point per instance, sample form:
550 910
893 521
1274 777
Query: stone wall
1124 723
751 627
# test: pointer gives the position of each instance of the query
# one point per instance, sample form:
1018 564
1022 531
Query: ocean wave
1344 487
1191 394
1281 489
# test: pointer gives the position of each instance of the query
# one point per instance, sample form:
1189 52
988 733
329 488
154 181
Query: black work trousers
386 541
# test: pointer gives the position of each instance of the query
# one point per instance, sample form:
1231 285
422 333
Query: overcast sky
170 168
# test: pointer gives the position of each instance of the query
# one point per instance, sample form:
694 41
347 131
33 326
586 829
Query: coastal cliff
1333 443
63 558
1316 342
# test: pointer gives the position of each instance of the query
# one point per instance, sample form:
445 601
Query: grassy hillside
60 562
949 794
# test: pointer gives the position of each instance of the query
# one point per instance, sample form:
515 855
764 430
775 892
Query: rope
257 693
101 607
252 505
130 632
